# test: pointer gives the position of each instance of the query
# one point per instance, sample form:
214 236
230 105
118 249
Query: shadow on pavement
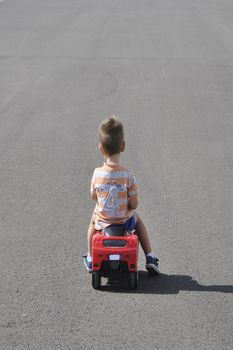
165 284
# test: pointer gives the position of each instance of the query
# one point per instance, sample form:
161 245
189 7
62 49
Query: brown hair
111 135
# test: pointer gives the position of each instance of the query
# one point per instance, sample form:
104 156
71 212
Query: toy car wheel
133 280
96 279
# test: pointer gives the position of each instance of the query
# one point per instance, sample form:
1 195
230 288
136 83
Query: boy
114 189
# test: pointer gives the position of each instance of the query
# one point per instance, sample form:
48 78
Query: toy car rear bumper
125 251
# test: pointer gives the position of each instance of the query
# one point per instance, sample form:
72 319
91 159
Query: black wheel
133 280
96 279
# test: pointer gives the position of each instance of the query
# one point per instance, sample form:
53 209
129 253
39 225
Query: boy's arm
93 195
132 193
133 202
92 188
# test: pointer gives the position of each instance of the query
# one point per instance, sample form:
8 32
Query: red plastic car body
111 254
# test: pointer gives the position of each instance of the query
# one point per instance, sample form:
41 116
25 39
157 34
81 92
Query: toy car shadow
166 284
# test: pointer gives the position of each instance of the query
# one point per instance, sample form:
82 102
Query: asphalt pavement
166 69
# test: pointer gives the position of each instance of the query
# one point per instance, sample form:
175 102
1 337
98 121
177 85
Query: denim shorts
130 224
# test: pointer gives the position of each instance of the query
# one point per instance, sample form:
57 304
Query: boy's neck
114 159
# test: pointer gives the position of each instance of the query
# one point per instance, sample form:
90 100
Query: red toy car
114 250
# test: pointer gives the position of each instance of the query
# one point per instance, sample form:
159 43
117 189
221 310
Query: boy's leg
151 261
143 236
90 233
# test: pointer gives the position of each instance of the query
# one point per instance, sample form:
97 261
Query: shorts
129 225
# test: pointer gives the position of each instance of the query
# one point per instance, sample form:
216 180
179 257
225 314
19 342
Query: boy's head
111 136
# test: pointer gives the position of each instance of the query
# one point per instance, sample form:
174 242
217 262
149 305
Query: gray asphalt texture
166 68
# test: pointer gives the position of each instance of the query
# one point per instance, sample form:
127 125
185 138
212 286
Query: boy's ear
123 146
101 149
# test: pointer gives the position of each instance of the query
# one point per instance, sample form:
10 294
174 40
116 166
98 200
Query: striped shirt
112 185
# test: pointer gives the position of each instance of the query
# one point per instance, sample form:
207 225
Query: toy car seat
114 230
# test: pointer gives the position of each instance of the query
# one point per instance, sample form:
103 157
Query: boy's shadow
165 284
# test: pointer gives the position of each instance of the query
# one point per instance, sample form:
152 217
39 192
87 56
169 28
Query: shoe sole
87 268
152 269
